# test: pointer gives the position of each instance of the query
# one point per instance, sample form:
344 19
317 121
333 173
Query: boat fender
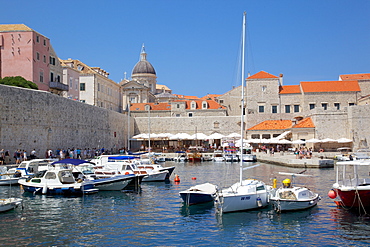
332 194
274 182
126 173
44 189
259 202
194 178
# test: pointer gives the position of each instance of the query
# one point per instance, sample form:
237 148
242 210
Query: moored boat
352 186
9 203
289 197
197 194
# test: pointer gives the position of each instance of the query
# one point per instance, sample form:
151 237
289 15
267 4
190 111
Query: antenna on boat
242 102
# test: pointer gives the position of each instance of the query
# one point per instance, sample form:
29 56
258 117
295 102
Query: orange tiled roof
180 96
290 89
262 75
153 106
305 123
352 77
272 125
166 106
330 86
210 96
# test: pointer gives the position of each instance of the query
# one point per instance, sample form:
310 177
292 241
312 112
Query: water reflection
204 208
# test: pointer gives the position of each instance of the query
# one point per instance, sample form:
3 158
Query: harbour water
157 216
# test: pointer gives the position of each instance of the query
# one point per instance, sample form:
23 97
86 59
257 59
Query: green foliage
18 81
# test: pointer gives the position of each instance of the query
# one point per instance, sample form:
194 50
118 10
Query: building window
216 125
193 105
76 82
221 101
178 115
190 114
266 136
44 59
51 76
41 76
204 105
98 86
351 104
274 109
147 107
82 86
37 56
177 106
70 83
37 39
312 106
287 108
255 136
264 88
324 105
296 108
261 108
44 42
337 105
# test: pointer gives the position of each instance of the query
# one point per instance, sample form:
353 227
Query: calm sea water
157 216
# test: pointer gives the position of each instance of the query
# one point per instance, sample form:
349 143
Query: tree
18 81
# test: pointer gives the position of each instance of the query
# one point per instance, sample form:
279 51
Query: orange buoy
177 178
332 194
194 178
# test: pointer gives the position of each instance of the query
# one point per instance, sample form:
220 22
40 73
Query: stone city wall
359 126
41 120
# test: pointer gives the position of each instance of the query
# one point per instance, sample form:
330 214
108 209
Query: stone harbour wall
32 119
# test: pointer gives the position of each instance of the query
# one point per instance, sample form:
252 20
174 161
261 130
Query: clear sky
194 45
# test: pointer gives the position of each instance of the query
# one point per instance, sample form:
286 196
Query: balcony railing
58 86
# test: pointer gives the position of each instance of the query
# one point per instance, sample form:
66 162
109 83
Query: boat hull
58 190
113 183
169 169
9 204
8 181
251 194
292 205
156 177
354 198
191 198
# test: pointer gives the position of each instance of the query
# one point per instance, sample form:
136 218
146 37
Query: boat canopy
124 157
75 162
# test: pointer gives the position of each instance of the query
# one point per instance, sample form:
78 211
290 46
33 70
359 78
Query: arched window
193 105
204 105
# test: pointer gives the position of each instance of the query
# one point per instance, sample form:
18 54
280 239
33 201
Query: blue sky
194 45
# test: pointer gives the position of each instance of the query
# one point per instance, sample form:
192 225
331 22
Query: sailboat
250 193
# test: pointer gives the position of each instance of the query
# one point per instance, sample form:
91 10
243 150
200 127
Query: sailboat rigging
250 193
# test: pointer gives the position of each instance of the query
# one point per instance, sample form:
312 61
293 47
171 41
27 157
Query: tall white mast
242 101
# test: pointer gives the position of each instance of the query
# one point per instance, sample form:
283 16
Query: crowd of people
20 155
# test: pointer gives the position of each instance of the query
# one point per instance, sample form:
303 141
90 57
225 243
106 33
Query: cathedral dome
143 66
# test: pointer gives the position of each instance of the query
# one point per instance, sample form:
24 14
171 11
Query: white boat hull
251 194
9 204
155 177
292 205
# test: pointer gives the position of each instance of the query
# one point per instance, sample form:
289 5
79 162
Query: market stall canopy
328 140
199 136
298 142
344 140
313 140
233 135
215 136
181 136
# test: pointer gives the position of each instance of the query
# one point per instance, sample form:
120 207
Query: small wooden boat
197 194
9 204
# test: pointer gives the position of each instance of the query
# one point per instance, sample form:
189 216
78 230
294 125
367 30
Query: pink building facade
24 52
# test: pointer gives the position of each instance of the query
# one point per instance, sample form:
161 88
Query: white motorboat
58 179
9 204
181 158
218 156
117 165
197 194
352 185
30 167
245 194
289 198
8 178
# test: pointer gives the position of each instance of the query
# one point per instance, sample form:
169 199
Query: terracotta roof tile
211 96
272 125
180 96
290 89
305 123
153 106
213 105
330 86
262 75
352 77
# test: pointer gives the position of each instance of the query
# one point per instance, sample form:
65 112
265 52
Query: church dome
143 66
